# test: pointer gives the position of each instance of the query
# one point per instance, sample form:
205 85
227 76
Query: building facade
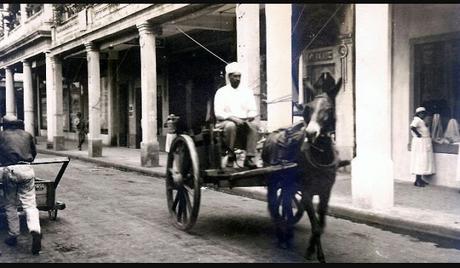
125 67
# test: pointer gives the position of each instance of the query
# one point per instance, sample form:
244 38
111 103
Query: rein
310 159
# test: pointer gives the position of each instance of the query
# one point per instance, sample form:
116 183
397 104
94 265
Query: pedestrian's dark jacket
16 145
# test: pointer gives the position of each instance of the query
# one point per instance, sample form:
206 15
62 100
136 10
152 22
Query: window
437 86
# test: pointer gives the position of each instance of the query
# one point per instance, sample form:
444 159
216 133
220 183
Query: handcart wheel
183 183
284 197
52 214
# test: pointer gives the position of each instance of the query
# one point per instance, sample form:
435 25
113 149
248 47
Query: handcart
45 190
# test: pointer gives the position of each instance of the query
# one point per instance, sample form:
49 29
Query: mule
317 162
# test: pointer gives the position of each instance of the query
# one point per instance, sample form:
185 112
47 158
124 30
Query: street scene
229 132
118 216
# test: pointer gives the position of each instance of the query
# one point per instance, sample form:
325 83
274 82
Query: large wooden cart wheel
183 183
284 199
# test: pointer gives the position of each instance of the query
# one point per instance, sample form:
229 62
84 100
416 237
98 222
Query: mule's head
319 114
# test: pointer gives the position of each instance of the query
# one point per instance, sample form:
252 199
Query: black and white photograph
182 132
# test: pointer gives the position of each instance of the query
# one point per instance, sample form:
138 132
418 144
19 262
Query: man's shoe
36 243
419 184
11 241
249 163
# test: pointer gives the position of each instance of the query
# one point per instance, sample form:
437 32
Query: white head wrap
420 109
233 67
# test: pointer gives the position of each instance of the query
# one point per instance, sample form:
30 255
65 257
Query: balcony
94 17
35 27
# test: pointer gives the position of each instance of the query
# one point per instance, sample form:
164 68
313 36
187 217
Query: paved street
116 216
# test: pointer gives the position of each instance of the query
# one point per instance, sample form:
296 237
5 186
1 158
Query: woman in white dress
422 159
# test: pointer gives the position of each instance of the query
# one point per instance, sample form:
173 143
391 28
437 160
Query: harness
335 161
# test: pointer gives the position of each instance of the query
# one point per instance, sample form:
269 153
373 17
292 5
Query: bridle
323 135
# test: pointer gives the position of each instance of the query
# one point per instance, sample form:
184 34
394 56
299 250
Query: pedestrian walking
80 124
422 158
18 150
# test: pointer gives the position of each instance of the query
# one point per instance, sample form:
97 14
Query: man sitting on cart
235 110
18 150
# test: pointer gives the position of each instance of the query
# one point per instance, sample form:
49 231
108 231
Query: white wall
412 21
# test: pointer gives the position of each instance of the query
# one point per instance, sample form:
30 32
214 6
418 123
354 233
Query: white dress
422 159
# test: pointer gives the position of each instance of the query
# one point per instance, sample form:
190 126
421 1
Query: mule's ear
338 85
335 90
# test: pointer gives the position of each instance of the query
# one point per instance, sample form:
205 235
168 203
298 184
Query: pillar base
372 183
94 147
132 141
150 154
59 143
113 140
49 145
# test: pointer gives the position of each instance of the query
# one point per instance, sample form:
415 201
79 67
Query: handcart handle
60 173
64 160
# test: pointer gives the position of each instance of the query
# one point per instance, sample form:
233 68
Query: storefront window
75 100
66 106
42 103
104 105
437 88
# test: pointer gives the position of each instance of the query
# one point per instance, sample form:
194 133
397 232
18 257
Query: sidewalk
431 210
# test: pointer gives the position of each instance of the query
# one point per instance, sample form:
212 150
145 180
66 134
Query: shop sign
323 55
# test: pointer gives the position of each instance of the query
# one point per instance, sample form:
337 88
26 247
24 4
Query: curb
103 163
387 220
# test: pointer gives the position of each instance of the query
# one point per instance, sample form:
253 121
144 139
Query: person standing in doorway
80 124
422 158
18 150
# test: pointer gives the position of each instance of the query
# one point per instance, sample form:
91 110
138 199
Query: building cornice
25 41
155 14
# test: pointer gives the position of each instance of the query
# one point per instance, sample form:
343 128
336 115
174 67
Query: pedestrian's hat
420 109
9 118
12 122
233 67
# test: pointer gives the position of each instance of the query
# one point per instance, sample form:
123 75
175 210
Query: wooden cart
196 161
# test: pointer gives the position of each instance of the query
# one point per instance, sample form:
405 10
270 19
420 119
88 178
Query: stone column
248 47
54 103
372 169
58 116
10 92
49 101
94 101
29 113
279 79
149 146
300 83
23 13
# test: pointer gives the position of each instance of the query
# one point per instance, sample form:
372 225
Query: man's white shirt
238 102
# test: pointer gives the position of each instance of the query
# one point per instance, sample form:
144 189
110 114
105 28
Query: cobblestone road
116 216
